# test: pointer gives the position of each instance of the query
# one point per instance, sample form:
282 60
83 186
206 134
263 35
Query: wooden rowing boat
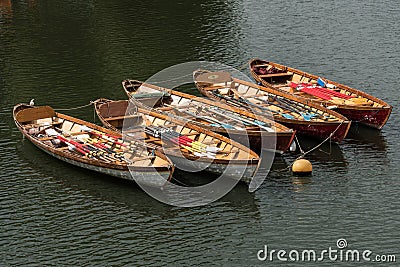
356 105
92 147
304 117
240 125
189 146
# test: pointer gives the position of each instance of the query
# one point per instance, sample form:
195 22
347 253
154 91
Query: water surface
65 54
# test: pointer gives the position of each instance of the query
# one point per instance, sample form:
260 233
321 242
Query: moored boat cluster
157 129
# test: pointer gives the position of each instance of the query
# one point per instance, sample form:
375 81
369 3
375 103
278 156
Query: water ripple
66 54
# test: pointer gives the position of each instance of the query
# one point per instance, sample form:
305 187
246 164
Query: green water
67 53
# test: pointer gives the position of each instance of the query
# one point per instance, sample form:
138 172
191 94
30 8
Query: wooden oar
211 120
284 106
287 116
104 148
295 109
301 107
80 148
113 139
308 109
242 120
181 140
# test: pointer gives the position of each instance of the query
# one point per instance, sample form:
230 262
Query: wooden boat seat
123 117
144 158
190 134
36 113
46 138
170 107
283 85
151 139
275 75
135 129
211 88
78 133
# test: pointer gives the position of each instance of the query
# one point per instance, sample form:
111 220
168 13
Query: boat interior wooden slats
90 146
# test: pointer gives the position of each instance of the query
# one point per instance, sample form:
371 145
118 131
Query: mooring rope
84 106
317 146
298 143
241 67
311 150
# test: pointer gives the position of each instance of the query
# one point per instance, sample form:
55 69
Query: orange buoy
302 167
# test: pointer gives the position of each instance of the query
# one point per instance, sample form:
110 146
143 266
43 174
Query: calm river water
66 53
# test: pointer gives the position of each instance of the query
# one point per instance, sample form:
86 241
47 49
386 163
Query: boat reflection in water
6 10
84 184
366 138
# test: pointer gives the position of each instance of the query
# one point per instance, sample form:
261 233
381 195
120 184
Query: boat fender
293 146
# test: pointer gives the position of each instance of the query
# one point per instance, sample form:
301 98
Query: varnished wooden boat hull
279 141
334 131
375 117
264 140
186 161
149 176
321 130
242 172
141 176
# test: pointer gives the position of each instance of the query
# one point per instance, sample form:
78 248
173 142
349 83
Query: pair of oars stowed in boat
88 149
114 140
238 119
286 106
92 148
212 121
281 105
197 148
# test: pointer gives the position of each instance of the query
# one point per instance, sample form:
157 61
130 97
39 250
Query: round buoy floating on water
302 167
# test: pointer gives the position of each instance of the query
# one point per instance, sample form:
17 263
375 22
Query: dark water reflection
65 54
366 138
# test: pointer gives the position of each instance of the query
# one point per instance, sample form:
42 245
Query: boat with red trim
354 104
305 117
